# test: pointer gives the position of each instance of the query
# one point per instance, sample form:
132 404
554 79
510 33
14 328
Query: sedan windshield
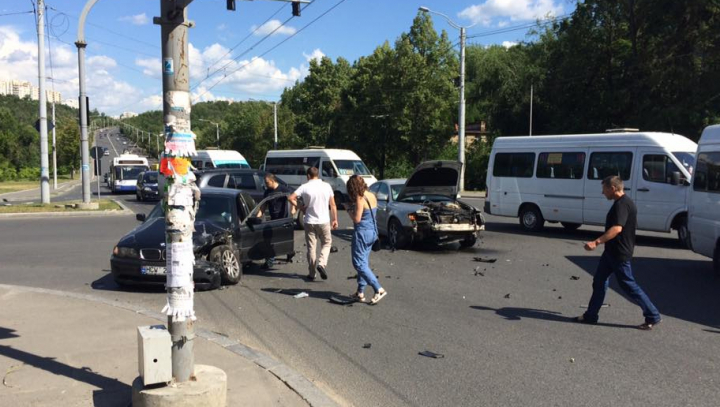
687 159
426 198
351 167
216 209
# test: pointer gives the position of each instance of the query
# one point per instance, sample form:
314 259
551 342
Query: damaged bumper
133 271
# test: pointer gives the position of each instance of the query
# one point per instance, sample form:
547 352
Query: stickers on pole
180 261
168 66
180 304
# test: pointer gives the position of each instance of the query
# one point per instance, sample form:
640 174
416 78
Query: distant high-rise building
22 89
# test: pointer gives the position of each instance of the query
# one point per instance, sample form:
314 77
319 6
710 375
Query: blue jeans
624 275
362 242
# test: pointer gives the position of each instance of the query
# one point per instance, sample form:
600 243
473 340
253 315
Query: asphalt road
504 328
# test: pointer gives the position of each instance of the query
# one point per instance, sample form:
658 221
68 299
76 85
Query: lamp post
461 114
217 130
275 119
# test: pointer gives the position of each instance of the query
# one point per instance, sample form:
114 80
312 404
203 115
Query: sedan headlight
125 252
147 189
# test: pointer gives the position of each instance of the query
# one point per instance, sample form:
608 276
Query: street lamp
461 119
275 119
217 130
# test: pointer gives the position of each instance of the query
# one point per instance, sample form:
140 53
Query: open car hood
433 177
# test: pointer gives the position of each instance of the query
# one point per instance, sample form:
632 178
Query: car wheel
531 219
468 241
716 259
570 225
397 238
683 233
225 257
299 222
339 200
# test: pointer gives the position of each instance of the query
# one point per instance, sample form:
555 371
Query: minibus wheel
531 219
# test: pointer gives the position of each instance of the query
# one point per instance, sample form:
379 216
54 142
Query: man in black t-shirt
276 208
619 240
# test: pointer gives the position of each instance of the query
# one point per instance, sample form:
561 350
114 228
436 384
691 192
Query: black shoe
310 278
581 319
322 272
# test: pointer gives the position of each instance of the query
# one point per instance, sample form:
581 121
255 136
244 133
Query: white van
704 199
336 167
558 178
218 159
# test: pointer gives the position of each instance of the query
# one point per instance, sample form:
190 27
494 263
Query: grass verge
14 186
105 205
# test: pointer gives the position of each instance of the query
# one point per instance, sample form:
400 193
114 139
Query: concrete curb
125 211
294 380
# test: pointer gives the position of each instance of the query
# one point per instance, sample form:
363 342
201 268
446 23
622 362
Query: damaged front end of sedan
447 222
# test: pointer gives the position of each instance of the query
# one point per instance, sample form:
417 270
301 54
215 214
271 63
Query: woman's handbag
376 246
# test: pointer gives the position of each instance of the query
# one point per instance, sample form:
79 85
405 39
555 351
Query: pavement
68 349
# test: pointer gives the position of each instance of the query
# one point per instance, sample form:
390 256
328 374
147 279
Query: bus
124 172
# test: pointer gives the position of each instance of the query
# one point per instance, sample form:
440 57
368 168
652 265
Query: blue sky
124 46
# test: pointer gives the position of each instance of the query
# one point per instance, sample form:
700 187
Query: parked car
425 207
147 186
228 235
248 180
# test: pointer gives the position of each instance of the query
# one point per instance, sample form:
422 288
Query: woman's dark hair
356 186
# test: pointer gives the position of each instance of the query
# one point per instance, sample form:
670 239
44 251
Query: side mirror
382 197
675 180
140 217
254 220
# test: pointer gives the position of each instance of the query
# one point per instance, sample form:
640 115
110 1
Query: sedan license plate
152 270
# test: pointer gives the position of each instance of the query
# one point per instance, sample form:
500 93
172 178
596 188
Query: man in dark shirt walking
619 240
276 208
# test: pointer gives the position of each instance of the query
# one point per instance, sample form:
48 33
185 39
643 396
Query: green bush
29 173
7 171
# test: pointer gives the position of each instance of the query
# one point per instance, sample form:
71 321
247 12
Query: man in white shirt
320 219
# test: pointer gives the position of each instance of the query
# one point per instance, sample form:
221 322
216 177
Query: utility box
154 354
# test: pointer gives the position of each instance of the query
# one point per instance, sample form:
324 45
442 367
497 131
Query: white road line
111 144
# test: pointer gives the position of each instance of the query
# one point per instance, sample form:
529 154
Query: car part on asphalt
367 346
484 260
429 354
301 295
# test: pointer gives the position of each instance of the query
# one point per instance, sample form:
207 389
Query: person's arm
333 213
606 237
292 198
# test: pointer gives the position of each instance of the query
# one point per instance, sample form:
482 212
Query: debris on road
572 360
352 277
602 306
367 346
507 295
333 249
478 272
484 260
560 297
574 278
429 354
301 295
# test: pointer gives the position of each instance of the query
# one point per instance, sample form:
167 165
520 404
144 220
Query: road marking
112 145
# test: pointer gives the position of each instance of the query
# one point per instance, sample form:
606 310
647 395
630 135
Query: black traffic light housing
296 9
231 5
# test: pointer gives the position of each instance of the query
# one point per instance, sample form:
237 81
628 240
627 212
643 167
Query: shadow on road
683 289
111 390
6 333
517 314
582 235
107 283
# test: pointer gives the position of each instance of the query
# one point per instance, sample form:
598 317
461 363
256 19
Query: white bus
124 172
335 166
704 199
558 178
218 159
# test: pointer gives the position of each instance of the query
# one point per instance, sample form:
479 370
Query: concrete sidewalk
65 349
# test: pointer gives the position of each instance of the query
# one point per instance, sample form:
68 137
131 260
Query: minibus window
658 168
514 165
707 173
567 165
604 164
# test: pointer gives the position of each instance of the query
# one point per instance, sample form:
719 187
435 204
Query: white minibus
704 199
558 178
335 166
206 159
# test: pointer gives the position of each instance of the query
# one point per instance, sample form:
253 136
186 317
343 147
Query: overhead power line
17 13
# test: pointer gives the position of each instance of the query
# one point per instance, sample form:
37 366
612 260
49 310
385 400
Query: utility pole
531 103
84 144
275 146
54 147
44 174
461 132
182 195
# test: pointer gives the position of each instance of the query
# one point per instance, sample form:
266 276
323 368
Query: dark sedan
147 186
228 234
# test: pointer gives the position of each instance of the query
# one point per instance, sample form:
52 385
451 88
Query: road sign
50 125
97 152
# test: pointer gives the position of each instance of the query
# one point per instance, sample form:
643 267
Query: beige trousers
313 232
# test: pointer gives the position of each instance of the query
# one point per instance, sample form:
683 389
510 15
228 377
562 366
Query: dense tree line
20 142
652 65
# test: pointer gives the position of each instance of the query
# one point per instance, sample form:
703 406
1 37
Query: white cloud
270 26
151 66
508 44
316 55
515 10
139 19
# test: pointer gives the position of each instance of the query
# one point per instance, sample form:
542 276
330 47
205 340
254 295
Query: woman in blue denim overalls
362 213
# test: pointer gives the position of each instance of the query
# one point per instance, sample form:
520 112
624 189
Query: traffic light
231 5
296 9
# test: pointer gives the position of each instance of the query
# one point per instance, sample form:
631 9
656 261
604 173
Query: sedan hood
433 177
151 235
